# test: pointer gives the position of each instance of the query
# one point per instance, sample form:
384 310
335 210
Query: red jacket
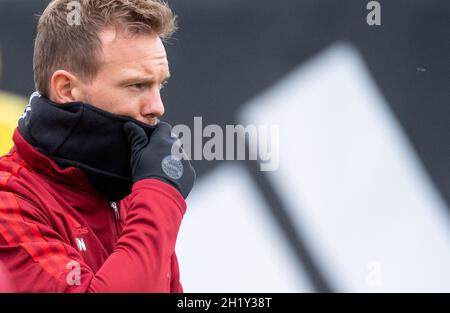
5 281
57 234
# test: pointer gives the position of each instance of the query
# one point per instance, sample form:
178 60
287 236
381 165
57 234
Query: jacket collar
43 165
80 135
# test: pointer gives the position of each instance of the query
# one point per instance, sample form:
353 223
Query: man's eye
137 86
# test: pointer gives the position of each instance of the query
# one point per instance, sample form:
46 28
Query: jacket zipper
116 218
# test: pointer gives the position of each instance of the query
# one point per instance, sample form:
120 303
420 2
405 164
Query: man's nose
152 107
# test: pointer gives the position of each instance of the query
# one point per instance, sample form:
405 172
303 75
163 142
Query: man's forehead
138 48
141 54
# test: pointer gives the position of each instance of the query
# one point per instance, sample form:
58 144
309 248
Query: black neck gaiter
80 135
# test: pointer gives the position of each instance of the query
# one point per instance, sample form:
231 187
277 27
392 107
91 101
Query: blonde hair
69 40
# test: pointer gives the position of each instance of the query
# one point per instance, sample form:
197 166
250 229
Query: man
92 195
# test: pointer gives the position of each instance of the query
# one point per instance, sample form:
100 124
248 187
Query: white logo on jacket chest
80 243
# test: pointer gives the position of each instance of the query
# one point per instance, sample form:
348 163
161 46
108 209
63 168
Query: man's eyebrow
142 80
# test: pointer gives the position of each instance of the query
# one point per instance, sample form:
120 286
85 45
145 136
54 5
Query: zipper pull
116 210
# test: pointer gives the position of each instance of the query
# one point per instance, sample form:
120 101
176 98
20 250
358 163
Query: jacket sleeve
5 281
143 260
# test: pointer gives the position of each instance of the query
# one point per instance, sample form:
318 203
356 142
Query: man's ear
62 85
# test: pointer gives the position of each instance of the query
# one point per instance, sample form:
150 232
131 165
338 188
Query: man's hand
152 157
